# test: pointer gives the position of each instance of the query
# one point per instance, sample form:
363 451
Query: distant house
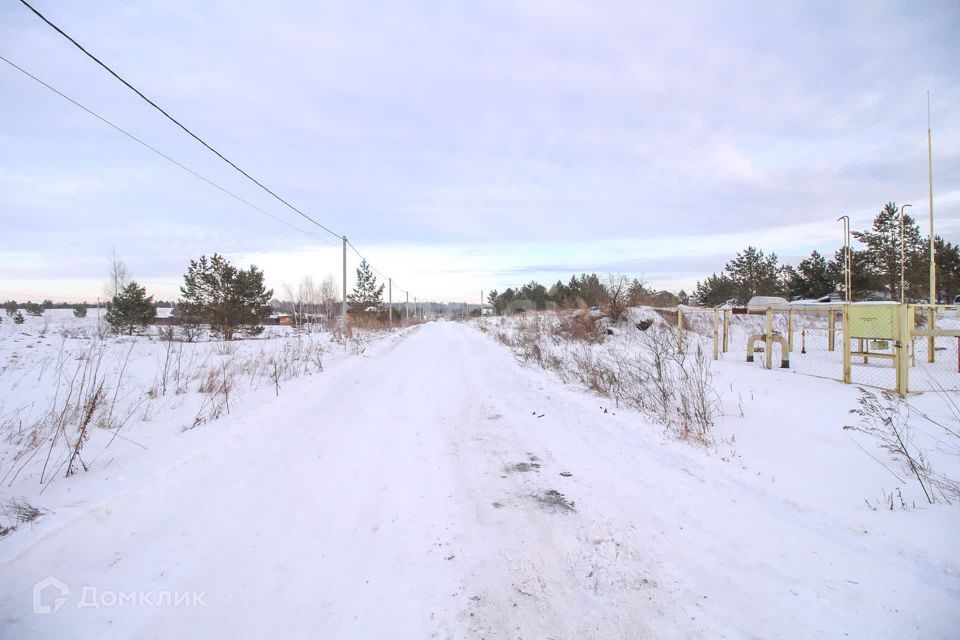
167 316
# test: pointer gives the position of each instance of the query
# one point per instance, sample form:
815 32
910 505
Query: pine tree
863 282
948 268
636 292
883 250
535 293
131 309
34 309
501 301
559 294
215 292
754 274
714 291
80 311
366 293
587 289
812 278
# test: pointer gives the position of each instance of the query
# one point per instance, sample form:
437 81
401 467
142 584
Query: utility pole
903 252
931 346
481 303
848 280
407 306
390 299
933 257
343 303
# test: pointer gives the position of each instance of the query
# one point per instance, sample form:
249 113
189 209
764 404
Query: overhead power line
184 128
172 119
372 268
161 153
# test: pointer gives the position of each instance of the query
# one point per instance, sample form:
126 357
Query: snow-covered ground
426 484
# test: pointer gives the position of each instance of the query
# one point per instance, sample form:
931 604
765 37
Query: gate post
902 325
790 330
679 330
726 329
845 325
831 329
716 334
768 347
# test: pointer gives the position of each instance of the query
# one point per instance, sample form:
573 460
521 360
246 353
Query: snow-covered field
427 484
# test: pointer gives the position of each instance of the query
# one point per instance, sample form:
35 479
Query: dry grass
580 326
649 370
17 512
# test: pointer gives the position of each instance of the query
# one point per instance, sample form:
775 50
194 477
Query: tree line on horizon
875 268
584 290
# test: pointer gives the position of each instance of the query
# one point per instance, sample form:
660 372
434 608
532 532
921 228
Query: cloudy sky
467 146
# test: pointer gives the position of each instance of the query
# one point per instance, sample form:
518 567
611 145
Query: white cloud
542 133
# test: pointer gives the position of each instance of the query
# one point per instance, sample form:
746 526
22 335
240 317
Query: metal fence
890 346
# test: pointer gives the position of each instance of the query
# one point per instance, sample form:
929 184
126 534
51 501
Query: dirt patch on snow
554 501
522 467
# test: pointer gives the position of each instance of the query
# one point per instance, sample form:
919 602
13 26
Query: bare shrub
276 370
190 331
316 356
581 326
90 405
218 384
698 400
226 348
885 417
658 379
616 293
596 373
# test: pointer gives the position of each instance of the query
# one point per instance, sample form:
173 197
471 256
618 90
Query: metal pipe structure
903 253
848 279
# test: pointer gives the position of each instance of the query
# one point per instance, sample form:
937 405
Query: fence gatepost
680 329
716 334
831 330
768 347
903 340
845 325
726 329
790 331
931 341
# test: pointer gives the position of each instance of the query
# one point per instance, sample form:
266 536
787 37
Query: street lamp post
903 252
848 280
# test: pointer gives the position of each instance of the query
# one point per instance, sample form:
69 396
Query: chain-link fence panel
817 334
935 349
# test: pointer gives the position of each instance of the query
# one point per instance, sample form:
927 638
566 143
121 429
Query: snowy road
406 495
